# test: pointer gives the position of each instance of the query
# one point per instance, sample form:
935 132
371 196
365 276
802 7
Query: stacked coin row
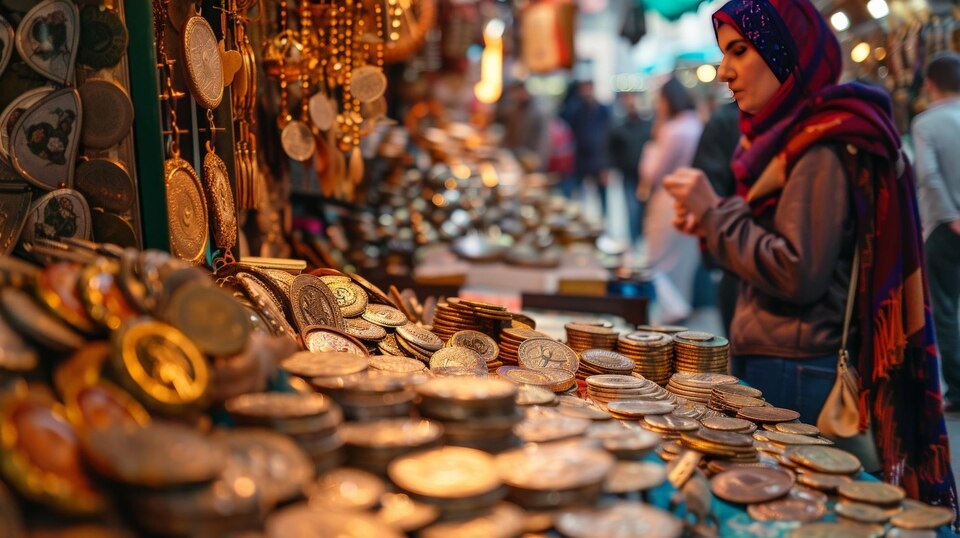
730 397
480 414
589 335
696 351
510 340
483 346
371 446
311 420
606 388
452 316
697 387
652 354
717 444
555 380
603 361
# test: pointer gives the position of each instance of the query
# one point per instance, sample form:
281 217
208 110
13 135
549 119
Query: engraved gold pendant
220 200
186 211
203 66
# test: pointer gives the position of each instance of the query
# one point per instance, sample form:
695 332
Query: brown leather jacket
794 267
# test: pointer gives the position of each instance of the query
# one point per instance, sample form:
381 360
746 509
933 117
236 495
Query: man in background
626 145
935 135
524 124
590 121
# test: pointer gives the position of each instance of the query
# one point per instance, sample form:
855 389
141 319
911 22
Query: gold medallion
160 365
186 211
350 297
298 141
314 304
220 200
203 67
368 83
539 353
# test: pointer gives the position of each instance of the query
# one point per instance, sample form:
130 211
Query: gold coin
345 489
739 390
556 467
927 517
533 395
301 520
401 512
504 519
871 492
445 473
471 390
539 353
672 423
314 304
485 346
824 459
186 210
789 438
315 364
727 424
298 141
863 513
319 339
350 297
364 330
821 481
202 61
639 408
220 200
160 365
797 428
461 357
420 337
384 316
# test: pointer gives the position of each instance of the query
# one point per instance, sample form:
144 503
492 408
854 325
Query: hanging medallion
106 184
297 141
14 205
103 37
203 67
323 112
14 110
59 214
368 83
186 211
47 39
6 43
220 200
45 139
107 114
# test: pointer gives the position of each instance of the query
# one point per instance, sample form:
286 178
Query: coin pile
510 340
371 446
461 482
669 426
554 475
551 379
477 414
418 342
730 397
696 351
368 396
697 387
652 354
603 361
718 444
484 346
456 314
311 420
591 335
665 329
605 388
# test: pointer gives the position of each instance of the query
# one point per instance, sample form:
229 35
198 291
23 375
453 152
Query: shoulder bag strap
851 299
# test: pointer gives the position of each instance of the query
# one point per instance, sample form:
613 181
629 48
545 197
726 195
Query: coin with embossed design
220 201
485 346
266 305
203 66
421 337
539 353
364 330
186 210
350 297
400 365
314 304
320 339
384 316
458 357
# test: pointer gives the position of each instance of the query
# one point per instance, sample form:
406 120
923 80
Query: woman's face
749 78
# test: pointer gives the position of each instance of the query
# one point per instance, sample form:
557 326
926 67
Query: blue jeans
799 384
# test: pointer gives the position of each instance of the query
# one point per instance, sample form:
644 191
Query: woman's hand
692 191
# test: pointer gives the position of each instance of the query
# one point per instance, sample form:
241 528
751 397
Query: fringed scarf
898 362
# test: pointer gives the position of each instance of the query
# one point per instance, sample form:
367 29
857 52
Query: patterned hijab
898 362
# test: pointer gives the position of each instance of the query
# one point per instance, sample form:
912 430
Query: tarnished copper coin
928 517
877 493
384 316
768 414
421 337
314 304
789 439
639 408
446 473
751 485
789 509
737 389
350 297
106 184
626 518
822 481
606 359
309 364
485 346
320 339
727 424
364 330
630 476
672 423
797 428
824 459
539 353
461 357
863 513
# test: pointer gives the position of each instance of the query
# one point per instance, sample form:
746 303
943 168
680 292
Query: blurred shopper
590 121
627 139
821 175
935 135
524 124
670 254
720 138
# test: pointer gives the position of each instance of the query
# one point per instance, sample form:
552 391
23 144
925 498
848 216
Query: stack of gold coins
652 354
858 497
767 414
581 336
603 361
493 318
452 316
696 351
310 419
418 342
730 397
717 444
476 413
510 340
729 424
483 345
536 480
371 446
665 329
555 380
669 426
829 466
459 481
637 409
605 388
363 397
697 387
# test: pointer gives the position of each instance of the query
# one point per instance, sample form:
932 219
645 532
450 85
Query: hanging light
706 73
878 8
490 87
839 21
860 52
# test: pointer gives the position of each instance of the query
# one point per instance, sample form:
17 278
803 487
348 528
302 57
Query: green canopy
671 9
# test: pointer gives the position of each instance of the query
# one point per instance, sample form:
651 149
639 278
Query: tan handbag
839 419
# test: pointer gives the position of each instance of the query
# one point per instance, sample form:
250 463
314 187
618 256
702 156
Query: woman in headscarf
821 175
